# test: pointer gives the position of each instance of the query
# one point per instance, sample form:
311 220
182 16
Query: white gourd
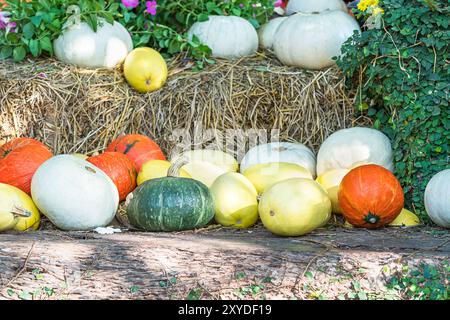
267 32
351 147
309 6
274 152
74 194
81 46
229 37
310 41
437 199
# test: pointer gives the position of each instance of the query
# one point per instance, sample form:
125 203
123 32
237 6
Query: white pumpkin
437 199
310 41
348 148
267 32
309 6
280 152
81 46
229 37
74 194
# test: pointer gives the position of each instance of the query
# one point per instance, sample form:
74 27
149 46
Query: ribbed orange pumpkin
19 160
119 168
138 148
370 196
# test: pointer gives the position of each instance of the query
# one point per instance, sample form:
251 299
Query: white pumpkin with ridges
74 194
348 148
81 46
437 199
309 6
267 32
310 41
273 152
229 37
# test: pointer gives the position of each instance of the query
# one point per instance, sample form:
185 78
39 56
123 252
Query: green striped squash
170 203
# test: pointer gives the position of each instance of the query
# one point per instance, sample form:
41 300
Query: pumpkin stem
19 212
75 15
371 218
174 170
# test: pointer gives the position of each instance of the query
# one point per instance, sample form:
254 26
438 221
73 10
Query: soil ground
220 263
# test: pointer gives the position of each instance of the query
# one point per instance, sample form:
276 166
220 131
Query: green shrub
39 22
402 74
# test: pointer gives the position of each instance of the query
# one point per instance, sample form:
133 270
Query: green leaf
28 30
19 53
6 52
34 47
46 45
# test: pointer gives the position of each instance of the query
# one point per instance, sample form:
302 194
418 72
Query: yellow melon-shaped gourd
405 219
235 200
17 210
294 207
265 175
154 169
330 181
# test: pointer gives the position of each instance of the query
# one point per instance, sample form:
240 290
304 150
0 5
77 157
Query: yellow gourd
157 169
265 175
235 200
294 207
330 181
17 210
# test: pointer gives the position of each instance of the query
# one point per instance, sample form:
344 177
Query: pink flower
278 3
151 7
6 24
130 4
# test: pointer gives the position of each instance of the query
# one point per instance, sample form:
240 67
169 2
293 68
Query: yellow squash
330 181
235 200
17 210
80 155
205 172
216 157
145 69
405 219
157 169
265 175
294 207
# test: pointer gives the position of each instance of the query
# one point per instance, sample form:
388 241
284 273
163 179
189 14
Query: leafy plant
38 23
161 25
427 282
402 75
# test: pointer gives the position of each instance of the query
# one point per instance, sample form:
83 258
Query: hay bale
78 110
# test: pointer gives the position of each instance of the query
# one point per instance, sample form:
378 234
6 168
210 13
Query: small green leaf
19 53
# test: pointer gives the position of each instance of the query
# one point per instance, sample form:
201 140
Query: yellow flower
364 4
377 10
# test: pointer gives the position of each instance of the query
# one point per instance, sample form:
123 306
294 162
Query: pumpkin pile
281 183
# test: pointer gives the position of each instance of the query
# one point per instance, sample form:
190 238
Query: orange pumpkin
19 160
119 168
370 196
138 148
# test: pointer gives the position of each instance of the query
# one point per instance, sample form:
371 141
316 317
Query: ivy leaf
28 30
19 53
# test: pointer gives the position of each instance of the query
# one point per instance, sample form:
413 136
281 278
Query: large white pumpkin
309 6
229 37
351 147
267 32
81 46
437 199
74 194
310 41
280 152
